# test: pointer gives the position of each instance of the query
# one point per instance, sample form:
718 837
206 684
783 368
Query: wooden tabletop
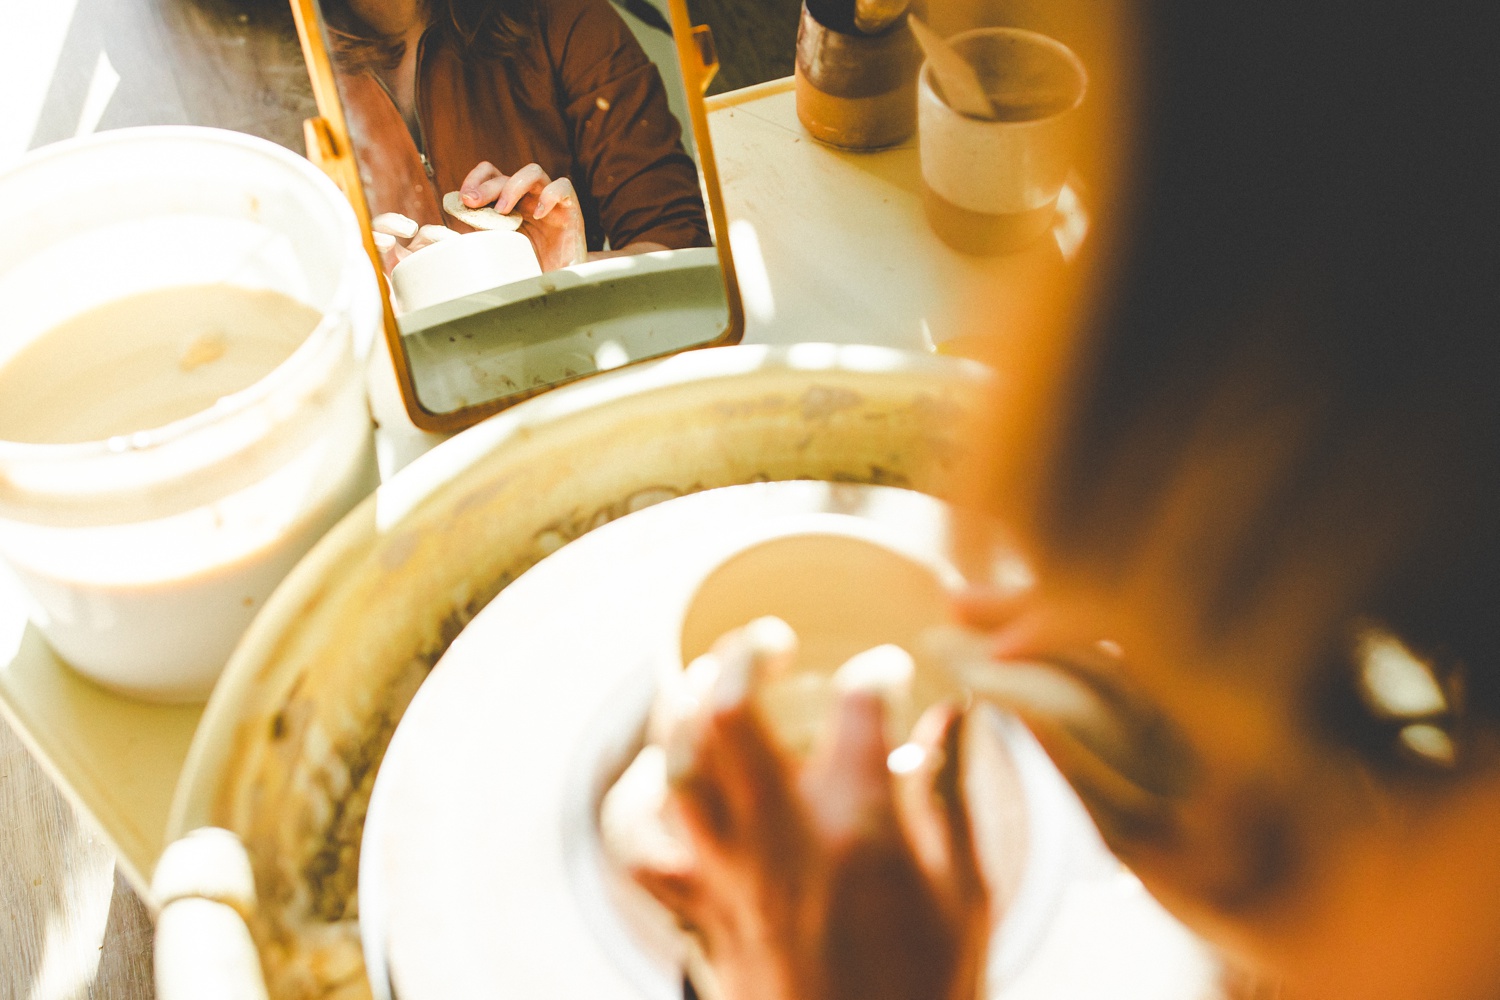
70 927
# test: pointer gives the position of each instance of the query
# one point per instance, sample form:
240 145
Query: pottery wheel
481 871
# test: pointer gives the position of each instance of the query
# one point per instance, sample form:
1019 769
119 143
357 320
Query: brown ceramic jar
856 91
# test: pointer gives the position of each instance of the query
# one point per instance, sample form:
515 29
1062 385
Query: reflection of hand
550 215
809 881
397 237
426 236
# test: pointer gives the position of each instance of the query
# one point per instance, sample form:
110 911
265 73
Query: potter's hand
1134 768
550 215
397 237
825 880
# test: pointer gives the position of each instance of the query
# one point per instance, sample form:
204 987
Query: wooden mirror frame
330 147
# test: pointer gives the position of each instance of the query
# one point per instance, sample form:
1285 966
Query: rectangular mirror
536 184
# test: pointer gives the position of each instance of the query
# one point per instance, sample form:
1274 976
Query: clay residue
821 402
204 349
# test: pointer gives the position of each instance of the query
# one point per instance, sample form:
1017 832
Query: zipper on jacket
416 109
420 139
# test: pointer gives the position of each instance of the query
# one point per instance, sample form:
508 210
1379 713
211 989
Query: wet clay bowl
290 742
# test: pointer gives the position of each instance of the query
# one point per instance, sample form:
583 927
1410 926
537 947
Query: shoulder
590 27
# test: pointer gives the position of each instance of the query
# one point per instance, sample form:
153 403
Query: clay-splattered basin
288 748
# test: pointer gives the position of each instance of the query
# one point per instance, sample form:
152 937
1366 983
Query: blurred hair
1305 314
482 29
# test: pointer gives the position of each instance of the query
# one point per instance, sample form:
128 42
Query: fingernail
676 720
681 750
681 753
1010 575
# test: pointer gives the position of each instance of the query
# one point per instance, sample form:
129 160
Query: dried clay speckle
822 402
204 349
875 475
642 499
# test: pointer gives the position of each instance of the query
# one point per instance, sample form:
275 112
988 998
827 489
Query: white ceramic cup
462 265
992 186
145 556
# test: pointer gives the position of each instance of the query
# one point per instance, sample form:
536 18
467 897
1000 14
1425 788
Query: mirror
536 186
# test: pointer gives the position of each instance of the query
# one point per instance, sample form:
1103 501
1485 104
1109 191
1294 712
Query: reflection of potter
562 118
434 91
453 268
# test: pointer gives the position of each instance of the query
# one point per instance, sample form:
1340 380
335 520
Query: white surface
40 32
842 240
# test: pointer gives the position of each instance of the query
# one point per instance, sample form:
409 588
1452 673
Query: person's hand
397 237
550 215
827 880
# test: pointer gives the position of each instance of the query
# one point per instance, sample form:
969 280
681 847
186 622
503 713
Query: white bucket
146 555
